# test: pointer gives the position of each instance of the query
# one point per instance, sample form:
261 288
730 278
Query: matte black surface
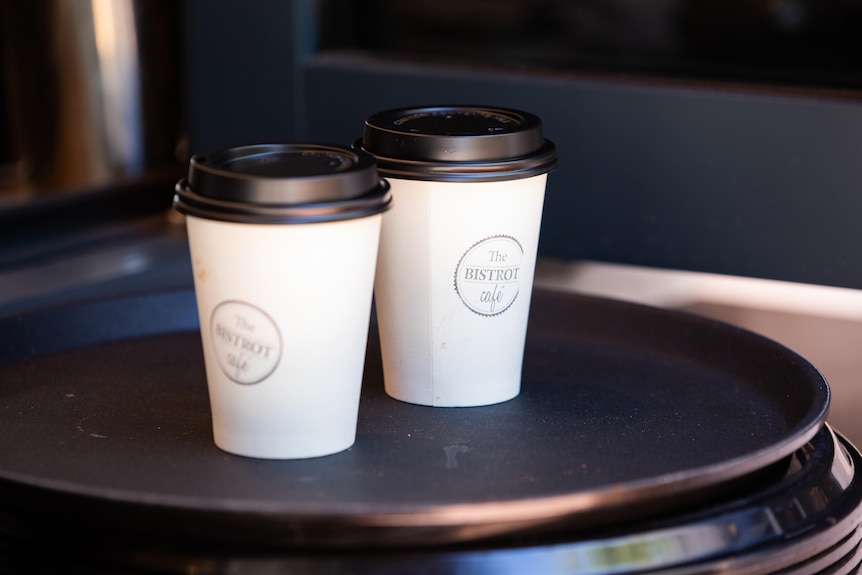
625 411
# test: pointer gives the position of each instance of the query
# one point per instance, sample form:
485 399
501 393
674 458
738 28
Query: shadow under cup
458 248
275 233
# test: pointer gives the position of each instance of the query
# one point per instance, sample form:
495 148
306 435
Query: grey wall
240 58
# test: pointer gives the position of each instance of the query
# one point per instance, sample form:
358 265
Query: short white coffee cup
458 249
283 240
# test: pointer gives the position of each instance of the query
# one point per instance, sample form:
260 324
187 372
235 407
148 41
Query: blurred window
811 43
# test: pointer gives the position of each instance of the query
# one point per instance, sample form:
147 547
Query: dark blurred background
705 135
766 42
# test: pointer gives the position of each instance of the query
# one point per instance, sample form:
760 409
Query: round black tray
626 412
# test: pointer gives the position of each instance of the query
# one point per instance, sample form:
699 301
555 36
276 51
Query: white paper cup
283 267
458 249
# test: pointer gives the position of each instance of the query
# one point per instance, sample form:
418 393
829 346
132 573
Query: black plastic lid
458 143
282 183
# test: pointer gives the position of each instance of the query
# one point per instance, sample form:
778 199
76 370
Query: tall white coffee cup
283 240
458 249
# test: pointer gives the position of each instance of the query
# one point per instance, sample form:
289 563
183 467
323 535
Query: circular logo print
246 342
487 277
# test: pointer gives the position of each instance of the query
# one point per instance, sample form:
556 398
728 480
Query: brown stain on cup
201 272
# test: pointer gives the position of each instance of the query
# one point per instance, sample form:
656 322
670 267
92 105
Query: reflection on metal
117 49
93 88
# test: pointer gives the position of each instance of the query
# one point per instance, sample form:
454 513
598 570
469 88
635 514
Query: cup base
454 406
396 392
269 448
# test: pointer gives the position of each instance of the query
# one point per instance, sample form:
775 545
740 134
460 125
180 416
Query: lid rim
542 161
186 201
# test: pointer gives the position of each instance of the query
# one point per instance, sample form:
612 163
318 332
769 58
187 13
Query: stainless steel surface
92 91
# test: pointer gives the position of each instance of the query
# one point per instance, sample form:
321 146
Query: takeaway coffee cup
283 241
458 249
